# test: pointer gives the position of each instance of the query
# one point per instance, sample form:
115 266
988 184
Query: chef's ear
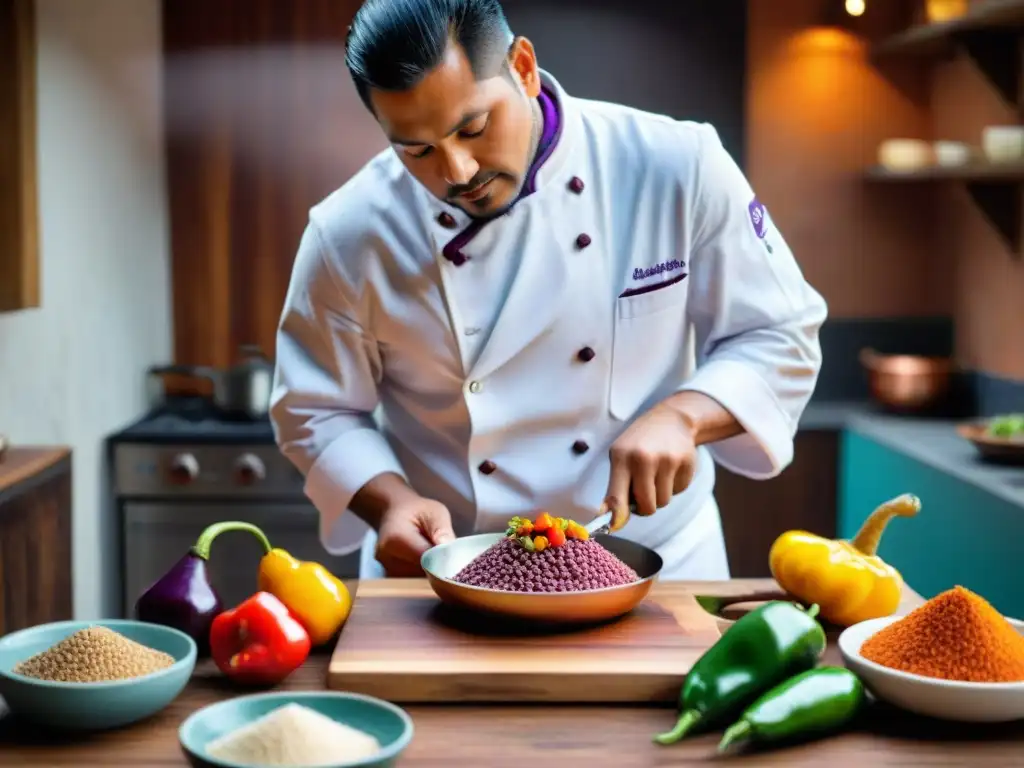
522 60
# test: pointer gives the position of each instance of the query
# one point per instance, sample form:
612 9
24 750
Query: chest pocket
650 348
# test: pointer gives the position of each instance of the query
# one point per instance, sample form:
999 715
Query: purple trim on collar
549 138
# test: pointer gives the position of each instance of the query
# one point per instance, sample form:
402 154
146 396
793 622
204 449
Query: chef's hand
652 461
408 529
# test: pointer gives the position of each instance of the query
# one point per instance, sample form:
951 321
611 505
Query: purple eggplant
183 597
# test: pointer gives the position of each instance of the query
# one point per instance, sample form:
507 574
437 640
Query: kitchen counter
35 536
22 466
497 736
936 443
931 441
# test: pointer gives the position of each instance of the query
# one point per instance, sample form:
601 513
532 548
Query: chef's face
468 141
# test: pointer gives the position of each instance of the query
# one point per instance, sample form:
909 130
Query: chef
532 301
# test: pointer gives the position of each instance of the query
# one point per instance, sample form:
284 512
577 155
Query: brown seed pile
94 655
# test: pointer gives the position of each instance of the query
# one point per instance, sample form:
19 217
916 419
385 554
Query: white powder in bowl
293 735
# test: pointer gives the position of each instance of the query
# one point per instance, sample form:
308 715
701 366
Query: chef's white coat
495 382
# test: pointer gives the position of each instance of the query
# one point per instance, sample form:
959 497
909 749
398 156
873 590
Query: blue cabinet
962 535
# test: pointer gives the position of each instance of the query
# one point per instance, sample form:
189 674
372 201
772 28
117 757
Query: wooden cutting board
402 644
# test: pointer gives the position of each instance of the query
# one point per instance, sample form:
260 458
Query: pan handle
715 604
252 351
189 371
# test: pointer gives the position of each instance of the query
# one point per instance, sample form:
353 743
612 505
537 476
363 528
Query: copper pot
907 382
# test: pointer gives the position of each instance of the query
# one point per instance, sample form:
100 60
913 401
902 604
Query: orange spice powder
956 635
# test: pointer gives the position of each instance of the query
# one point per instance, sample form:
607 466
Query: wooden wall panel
817 110
262 122
19 204
756 512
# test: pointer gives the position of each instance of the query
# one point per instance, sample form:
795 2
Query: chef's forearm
378 495
709 422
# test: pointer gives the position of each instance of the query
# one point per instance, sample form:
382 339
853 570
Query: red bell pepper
258 642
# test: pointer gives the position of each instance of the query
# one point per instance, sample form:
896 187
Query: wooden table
562 737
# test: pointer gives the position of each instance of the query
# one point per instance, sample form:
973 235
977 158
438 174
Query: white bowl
905 154
1003 143
934 697
952 153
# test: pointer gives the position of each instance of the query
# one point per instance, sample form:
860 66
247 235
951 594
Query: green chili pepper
812 703
763 648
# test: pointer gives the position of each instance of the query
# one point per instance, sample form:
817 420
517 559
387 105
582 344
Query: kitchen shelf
989 34
973 172
997 190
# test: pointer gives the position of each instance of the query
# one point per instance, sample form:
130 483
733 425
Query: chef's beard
473 208
517 182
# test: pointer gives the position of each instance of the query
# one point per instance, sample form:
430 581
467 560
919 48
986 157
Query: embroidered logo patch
658 269
758 217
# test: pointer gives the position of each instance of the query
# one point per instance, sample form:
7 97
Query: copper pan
443 562
907 382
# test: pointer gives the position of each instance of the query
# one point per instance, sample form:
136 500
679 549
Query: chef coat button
446 220
576 185
586 354
583 240
580 447
475 387
488 467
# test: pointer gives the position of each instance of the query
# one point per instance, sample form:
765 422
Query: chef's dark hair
393 44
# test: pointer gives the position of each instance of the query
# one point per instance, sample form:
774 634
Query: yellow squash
847 579
318 599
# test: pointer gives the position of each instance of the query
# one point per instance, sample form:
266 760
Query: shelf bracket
996 54
1000 203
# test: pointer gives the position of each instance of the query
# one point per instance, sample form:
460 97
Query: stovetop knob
184 468
249 469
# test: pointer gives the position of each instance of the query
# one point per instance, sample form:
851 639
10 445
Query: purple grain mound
573 567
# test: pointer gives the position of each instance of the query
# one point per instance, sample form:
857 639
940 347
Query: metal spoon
602 524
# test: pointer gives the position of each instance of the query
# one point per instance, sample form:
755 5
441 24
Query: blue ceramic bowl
93 706
389 724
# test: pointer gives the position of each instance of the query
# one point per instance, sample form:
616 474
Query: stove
194 420
185 449
183 467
